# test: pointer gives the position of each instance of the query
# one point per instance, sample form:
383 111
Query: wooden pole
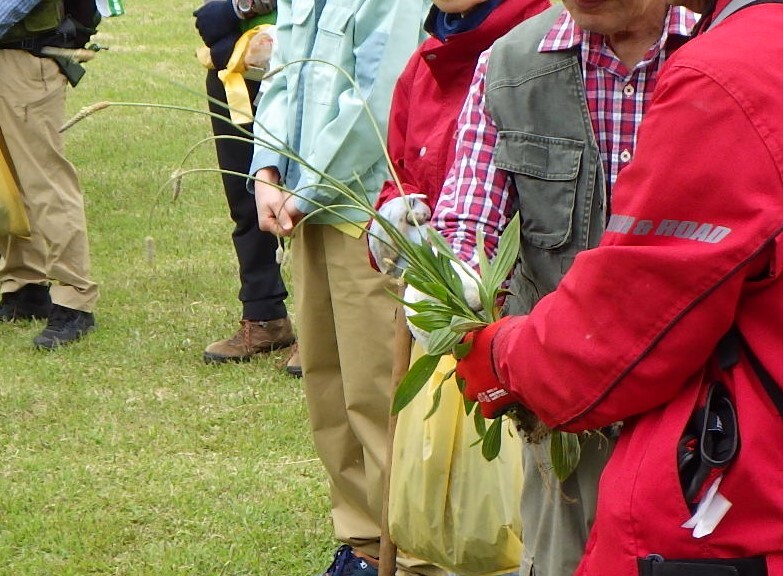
387 561
75 54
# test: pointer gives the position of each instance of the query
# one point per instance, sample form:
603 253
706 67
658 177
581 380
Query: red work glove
478 371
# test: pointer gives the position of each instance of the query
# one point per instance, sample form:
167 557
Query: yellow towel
236 90
13 218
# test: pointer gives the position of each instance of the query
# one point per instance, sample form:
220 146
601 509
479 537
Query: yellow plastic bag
447 504
13 218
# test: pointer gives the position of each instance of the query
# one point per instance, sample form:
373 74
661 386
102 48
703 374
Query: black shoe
30 302
346 563
293 366
65 325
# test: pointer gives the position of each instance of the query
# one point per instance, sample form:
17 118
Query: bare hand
276 211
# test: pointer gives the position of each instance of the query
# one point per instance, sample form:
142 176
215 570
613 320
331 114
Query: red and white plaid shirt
478 196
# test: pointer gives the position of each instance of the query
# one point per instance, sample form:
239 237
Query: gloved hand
478 371
470 287
382 248
220 52
216 20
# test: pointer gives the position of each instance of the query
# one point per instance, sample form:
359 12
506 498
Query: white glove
382 247
470 281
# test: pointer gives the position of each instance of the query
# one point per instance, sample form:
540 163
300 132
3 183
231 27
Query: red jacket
694 246
429 95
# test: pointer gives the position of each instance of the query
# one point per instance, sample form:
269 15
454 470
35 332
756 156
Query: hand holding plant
446 315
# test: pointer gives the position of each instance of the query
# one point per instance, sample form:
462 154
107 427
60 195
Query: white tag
710 512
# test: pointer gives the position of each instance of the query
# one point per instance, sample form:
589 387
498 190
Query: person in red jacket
672 324
428 97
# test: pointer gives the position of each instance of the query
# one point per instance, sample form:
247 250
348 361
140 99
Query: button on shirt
477 192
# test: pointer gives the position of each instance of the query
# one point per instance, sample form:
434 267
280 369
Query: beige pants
32 109
345 327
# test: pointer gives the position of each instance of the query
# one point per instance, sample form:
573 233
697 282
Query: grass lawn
124 453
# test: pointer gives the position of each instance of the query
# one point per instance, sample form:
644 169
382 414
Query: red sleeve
397 134
693 218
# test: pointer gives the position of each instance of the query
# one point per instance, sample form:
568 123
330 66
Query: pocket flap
335 19
300 11
537 156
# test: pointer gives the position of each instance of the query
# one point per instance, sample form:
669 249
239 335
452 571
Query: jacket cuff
500 340
264 158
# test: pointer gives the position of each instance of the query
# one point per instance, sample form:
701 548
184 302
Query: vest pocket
545 172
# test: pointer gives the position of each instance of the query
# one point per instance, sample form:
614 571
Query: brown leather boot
254 337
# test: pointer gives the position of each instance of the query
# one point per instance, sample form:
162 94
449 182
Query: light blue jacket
13 11
314 109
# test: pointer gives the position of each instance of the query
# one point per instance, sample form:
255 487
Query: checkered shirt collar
565 34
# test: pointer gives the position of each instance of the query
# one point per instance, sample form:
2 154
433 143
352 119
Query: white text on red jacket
685 229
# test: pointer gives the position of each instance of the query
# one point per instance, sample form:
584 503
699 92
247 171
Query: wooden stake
402 357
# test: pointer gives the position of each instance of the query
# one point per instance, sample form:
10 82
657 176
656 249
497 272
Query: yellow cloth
204 57
13 217
352 229
237 97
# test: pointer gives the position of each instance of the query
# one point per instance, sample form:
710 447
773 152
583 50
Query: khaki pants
32 109
556 518
345 328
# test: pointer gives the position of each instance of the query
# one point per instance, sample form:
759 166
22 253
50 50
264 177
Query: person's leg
34 91
32 109
355 518
318 304
364 321
556 517
347 337
262 291
20 301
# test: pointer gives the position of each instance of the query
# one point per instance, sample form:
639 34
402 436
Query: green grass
124 453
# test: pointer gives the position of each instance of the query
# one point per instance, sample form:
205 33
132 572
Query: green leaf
427 259
565 451
448 375
484 268
507 254
429 288
480 423
417 376
441 246
462 324
442 268
442 341
490 446
469 404
432 306
435 400
461 350
429 321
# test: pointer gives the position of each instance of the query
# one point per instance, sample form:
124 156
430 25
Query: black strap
655 565
727 352
709 19
767 381
735 6
728 349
